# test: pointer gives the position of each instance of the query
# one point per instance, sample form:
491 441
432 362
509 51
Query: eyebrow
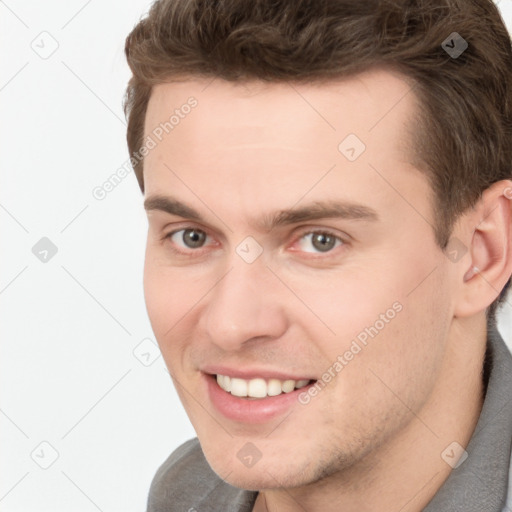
314 211
171 206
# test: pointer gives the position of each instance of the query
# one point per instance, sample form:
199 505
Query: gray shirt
186 483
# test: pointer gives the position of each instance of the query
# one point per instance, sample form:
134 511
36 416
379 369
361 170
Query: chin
271 473
253 482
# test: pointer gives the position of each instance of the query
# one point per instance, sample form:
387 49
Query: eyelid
306 230
181 226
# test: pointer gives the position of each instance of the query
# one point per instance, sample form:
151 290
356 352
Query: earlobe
490 249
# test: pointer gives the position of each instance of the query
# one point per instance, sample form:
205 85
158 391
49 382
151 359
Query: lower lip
260 410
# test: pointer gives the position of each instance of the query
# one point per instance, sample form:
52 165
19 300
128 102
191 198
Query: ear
489 228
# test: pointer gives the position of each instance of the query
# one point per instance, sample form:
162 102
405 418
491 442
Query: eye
319 241
188 238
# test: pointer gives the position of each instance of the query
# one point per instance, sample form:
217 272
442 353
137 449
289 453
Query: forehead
358 103
277 139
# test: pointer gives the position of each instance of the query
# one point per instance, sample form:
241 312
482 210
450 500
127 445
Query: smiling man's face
271 251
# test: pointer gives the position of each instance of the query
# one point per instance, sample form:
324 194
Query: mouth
258 388
256 400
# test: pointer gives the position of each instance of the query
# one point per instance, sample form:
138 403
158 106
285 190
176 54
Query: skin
372 438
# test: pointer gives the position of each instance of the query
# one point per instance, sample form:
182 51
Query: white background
74 375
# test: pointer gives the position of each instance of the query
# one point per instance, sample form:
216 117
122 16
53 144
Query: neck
407 471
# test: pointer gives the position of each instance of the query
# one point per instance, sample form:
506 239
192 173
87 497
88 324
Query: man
328 190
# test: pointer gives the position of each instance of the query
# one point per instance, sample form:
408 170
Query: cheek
342 306
400 363
390 321
174 297
169 298
159 303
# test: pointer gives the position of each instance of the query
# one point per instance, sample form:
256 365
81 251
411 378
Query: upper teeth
258 388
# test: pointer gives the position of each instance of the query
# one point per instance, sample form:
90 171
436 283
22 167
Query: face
292 261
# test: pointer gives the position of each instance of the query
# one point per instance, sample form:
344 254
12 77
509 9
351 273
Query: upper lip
252 373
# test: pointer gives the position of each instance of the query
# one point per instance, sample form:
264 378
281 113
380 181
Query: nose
244 306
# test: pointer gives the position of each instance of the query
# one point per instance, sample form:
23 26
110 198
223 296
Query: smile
258 387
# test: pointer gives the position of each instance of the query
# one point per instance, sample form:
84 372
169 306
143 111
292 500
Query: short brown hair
463 138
